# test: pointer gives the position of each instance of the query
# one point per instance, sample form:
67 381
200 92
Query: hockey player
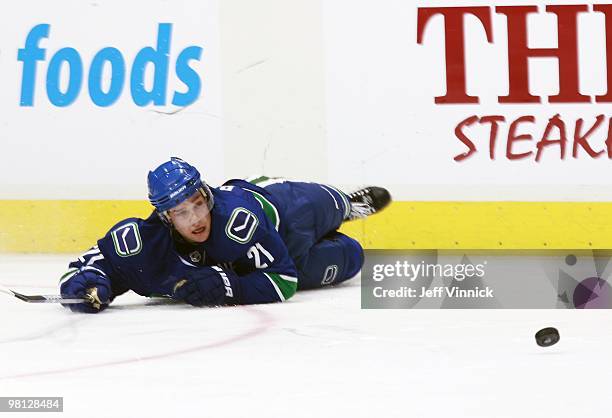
245 242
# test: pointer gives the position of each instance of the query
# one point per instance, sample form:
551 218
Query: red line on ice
264 321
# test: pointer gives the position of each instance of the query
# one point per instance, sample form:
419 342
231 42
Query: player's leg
359 204
332 260
312 210
313 214
337 205
368 201
333 257
333 206
325 256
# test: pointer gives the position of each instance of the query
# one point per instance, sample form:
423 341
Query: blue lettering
159 58
66 69
188 76
73 59
115 59
29 54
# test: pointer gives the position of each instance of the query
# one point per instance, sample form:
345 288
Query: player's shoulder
137 238
238 221
236 214
241 193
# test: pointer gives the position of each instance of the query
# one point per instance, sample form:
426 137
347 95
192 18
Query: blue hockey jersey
146 256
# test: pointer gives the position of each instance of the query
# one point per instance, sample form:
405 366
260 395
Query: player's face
191 218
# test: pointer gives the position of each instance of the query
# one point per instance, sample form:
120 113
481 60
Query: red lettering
513 137
454 46
554 122
607 10
493 120
463 138
609 138
519 53
582 140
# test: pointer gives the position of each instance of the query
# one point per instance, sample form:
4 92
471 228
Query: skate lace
362 204
360 210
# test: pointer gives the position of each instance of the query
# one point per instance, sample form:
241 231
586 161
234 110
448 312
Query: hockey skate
367 201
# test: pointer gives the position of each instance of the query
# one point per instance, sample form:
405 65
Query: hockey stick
46 298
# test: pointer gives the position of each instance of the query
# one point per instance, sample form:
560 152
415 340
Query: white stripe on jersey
332 196
289 278
278 291
186 262
347 204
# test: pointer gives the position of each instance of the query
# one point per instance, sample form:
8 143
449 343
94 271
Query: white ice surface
317 355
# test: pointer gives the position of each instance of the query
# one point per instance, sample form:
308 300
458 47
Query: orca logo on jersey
127 240
241 225
330 274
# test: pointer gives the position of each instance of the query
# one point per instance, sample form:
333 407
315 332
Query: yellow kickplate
72 226
61 226
487 225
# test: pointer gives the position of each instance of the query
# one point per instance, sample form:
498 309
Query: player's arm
275 276
92 274
104 267
272 278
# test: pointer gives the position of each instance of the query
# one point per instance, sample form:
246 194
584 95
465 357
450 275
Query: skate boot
367 201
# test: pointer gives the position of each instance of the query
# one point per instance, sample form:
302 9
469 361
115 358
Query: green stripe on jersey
286 284
268 208
67 274
259 179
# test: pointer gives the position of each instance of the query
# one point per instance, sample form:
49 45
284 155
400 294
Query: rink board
69 226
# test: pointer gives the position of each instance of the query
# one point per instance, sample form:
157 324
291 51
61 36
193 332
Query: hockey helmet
172 183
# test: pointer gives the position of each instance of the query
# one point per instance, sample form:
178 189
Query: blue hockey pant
313 213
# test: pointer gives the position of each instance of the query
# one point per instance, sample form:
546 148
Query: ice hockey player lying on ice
241 243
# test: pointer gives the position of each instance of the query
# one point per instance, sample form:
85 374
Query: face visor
191 211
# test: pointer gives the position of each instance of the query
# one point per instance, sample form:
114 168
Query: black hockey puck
547 337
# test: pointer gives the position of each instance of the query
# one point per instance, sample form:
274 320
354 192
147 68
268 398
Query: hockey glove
87 284
207 286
